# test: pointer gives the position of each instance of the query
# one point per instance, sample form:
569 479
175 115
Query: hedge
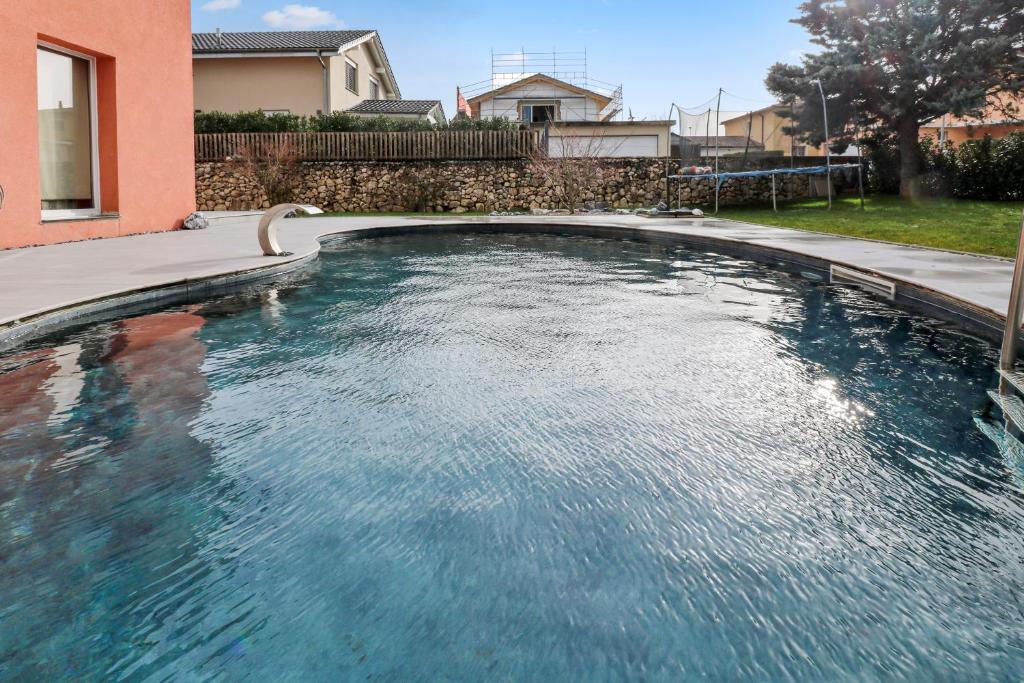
335 122
975 169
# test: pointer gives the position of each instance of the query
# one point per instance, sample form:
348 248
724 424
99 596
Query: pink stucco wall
143 54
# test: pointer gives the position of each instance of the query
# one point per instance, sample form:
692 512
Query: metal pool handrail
1011 335
267 232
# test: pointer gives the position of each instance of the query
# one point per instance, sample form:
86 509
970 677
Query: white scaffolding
568 67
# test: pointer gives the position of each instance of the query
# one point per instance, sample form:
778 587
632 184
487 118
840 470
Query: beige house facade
767 127
295 72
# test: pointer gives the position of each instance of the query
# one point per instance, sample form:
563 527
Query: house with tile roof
296 72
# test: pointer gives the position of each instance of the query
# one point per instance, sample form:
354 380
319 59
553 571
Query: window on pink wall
68 161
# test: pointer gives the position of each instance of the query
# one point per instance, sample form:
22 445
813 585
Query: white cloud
300 17
215 5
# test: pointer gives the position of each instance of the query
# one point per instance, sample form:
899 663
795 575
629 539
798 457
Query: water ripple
482 457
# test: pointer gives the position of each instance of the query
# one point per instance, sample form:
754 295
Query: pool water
456 457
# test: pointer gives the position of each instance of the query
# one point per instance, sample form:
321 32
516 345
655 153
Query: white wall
605 146
492 109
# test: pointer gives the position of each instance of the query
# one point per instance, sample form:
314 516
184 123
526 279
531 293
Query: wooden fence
404 146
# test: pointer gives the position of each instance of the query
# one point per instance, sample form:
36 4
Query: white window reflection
67 152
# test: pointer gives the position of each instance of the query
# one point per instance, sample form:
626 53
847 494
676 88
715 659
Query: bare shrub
575 174
273 166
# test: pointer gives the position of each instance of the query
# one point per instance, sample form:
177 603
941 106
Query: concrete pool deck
45 287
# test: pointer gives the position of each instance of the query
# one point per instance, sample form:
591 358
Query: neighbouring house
609 139
767 127
294 72
579 121
539 98
96 108
423 110
1004 115
723 145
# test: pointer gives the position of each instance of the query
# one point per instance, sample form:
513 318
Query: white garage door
604 146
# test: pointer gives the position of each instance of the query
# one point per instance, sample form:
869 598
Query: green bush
975 173
976 169
483 124
1009 160
248 122
990 169
335 122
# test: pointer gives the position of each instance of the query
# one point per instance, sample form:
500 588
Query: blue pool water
518 457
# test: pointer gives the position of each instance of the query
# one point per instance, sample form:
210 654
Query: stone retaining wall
474 186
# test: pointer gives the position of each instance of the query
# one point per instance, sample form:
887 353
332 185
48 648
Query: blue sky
661 51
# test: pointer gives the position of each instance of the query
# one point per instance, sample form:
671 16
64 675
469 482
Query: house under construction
537 87
581 115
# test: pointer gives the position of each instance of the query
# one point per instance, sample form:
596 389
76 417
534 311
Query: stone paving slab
38 280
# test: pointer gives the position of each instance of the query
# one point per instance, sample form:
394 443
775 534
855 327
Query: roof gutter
239 54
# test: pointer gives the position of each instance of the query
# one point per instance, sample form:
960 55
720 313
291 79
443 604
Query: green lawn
960 225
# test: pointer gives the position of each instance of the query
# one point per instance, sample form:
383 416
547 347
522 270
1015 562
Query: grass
960 225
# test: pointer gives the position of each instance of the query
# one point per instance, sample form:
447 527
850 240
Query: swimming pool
490 457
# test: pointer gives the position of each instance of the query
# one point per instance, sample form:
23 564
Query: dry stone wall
460 186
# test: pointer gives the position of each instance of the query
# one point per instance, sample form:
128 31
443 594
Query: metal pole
707 132
746 145
668 187
792 140
860 179
1008 354
718 113
679 115
860 160
775 205
718 180
828 149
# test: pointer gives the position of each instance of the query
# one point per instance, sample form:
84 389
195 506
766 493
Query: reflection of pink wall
160 360
143 56
22 399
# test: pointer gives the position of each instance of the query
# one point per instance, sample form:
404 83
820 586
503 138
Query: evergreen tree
893 65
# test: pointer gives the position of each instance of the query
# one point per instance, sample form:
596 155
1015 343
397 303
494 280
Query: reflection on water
98 493
468 457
